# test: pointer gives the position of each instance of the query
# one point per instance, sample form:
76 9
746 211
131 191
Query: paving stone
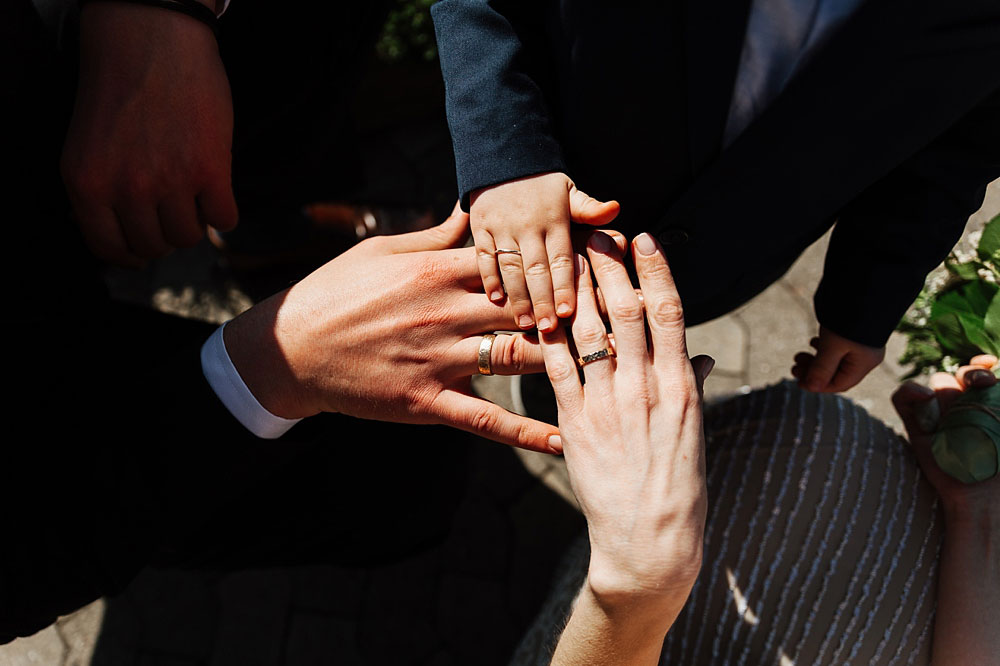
79 632
332 590
254 609
779 329
721 386
804 275
474 620
45 648
321 640
479 540
724 339
397 623
544 525
989 209
496 389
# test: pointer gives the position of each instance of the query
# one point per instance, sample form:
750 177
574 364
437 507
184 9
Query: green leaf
975 333
989 243
992 318
949 332
968 270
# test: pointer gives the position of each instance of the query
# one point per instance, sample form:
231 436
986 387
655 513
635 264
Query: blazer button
673 236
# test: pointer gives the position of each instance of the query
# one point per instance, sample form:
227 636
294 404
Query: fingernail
645 245
496 296
525 321
978 377
555 443
544 324
563 310
600 242
707 367
581 265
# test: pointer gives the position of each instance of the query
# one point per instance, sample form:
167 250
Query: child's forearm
967 627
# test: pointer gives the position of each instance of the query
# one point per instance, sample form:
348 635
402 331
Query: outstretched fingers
482 417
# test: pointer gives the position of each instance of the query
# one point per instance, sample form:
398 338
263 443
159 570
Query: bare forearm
619 633
965 631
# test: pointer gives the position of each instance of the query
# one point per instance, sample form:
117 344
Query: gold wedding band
517 252
485 353
607 352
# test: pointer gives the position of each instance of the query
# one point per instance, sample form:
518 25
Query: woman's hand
969 572
912 401
634 445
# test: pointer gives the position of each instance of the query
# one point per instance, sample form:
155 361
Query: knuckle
561 262
138 186
590 335
560 371
536 269
512 353
626 310
665 311
483 419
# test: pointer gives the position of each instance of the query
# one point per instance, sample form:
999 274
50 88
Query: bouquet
955 317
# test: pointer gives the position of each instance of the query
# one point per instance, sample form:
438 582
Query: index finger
664 313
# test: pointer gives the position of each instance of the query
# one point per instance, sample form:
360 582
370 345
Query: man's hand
148 154
838 364
389 330
634 444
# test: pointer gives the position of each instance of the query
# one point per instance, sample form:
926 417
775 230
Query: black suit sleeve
888 239
491 58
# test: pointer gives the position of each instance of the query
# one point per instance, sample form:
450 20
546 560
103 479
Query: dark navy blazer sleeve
490 58
888 239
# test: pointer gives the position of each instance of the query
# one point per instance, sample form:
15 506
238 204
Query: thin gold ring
517 252
485 354
607 352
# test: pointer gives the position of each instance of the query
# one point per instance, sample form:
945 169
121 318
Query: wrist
972 514
263 354
647 615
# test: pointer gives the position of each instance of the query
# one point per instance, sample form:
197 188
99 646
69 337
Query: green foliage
949 324
408 33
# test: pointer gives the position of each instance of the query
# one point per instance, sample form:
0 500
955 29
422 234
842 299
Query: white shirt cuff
225 380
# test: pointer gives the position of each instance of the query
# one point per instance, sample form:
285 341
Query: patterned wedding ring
517 252
607 352
485 352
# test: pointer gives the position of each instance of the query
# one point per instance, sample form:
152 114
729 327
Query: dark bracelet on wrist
192 8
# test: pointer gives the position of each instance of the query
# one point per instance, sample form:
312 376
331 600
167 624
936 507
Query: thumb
453 232
586 209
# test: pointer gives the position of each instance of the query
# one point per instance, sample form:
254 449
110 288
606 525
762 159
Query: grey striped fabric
821 545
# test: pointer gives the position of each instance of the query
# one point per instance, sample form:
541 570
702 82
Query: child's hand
532 215
838 365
